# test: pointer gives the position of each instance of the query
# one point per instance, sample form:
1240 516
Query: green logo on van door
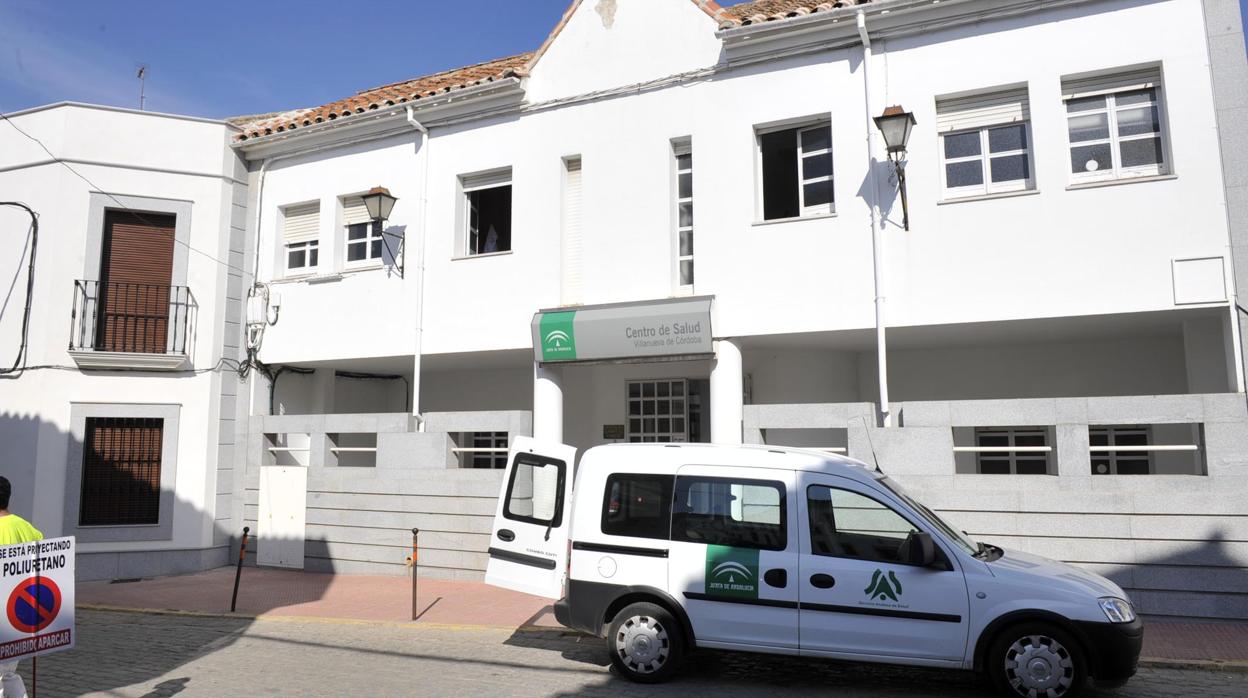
883 588
558 336
731 572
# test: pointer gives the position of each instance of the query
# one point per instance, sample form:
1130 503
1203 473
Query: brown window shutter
135 278
121 472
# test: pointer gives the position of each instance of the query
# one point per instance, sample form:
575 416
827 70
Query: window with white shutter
364 235
985 143
573 247
301 237
1116 125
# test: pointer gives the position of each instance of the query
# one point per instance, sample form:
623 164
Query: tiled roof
387 95
761 11
745 14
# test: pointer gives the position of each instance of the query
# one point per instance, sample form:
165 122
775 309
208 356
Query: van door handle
506 535
778 578
822 581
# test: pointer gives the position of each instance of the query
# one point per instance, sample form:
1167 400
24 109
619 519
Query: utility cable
20 360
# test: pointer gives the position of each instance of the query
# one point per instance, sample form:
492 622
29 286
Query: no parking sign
37 589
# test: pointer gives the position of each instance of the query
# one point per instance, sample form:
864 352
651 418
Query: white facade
1062 303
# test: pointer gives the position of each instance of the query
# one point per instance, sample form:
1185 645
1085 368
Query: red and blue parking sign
34 604
37 587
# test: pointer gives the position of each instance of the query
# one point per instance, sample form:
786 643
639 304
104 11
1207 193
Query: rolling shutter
301 223
121 472
135 282
1117 82
354 211
982 110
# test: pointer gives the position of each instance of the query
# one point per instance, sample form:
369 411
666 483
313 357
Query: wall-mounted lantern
379 203
896 124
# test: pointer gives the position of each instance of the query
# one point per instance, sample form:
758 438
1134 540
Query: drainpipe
420 266
877 239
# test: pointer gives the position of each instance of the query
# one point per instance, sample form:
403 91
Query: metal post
415 571
238 571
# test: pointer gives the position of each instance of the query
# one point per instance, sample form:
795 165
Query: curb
106 608
1231 666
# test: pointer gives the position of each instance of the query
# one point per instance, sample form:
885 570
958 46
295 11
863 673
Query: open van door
529 543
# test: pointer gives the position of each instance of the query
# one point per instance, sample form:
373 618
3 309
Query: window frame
1012 457
481 181
667 483
940 554
1117 172
730 481
310 246
987 187
373 234
496 460
537 461
797 126
679 150
91 424
1112 457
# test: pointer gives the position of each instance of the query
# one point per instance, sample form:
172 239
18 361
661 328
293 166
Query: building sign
678 327
37 586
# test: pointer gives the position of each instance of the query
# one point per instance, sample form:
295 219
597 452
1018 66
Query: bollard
238 571
415 571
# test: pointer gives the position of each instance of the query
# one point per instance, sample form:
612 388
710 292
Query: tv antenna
142 76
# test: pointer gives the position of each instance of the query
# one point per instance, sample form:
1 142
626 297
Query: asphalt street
150 656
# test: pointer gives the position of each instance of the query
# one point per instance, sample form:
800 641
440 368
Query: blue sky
219 59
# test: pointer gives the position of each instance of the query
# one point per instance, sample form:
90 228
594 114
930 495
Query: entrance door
658 411
282 515
136 270
529 543
734 554
859 599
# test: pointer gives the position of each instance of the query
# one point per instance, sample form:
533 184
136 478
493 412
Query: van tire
1059 664
645 643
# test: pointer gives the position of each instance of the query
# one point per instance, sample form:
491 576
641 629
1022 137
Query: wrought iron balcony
121 324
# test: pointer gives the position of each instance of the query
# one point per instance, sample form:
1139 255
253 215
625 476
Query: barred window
121 471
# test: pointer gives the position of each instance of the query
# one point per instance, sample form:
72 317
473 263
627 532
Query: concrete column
547 403
727 393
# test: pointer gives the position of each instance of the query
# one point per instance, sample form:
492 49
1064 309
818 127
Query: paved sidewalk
270 593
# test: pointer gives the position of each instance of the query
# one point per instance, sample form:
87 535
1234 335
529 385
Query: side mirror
919 550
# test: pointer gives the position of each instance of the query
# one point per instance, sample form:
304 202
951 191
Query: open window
528 549
486 213
796 171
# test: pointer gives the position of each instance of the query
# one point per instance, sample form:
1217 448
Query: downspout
877 240
420 266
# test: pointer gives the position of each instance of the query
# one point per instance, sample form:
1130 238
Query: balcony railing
130 318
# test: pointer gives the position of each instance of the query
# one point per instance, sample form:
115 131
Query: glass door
658 411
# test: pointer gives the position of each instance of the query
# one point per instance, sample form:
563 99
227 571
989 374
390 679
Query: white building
1065 370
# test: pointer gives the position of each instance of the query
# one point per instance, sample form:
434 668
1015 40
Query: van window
729 511
848 524
637 505
535 492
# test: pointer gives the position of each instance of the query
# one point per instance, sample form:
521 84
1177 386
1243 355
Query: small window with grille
121 471
486 450
1013 451
658 411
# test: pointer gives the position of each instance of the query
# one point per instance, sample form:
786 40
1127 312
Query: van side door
529 542
733 556
860 597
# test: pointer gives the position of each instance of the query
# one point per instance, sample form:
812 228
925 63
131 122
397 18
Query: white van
662 548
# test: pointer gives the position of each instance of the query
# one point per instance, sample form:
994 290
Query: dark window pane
1030 440
992 440
1133 465
647 407
634 407
355 251
296 258
1100 465
1098 438
314 256
994 466
962 145
684 162
964 174
678 389
664 407
686 243
678 425
1010 168
1031 466
1141 152
817 139
1122 99
638 506
357 231
817 166
685 185
1004 138
634 389
686 272
665 424
1088 127
686 215
818 194
374 251
491 220
1128 438
663 389
851 525
1091 158
634 426
1085 104
647 389
779 153
731 512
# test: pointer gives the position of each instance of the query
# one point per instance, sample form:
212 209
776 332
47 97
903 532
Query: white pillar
547 403
727 393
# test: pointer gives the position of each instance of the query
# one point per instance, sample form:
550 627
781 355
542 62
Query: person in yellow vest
13 529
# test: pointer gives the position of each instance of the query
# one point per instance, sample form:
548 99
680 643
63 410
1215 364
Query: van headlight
1117 610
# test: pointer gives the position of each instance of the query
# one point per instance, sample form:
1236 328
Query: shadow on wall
27 444
1207 579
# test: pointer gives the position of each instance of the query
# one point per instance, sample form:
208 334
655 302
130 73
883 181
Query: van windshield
952 533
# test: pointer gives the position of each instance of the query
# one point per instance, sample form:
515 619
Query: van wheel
1037 659
645 643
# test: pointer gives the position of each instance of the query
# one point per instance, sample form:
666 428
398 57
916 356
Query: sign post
37 588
